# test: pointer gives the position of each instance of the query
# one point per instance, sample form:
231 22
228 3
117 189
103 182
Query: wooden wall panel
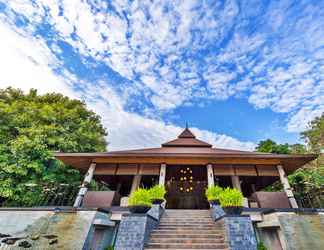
248 170
105 169
127 169
264 170
149 169
222 170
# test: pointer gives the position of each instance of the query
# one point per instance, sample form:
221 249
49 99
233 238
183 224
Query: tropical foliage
157 192
261 246
140 197
231 197
32 126
308 182
269 146
213 192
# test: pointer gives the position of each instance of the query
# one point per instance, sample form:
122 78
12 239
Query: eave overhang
82 161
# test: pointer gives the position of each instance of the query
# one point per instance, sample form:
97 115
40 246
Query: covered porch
185 166
185 183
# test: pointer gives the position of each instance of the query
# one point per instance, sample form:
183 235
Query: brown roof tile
186 139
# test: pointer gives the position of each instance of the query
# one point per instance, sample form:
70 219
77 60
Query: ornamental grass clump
231 197
212 193
141 197
157 194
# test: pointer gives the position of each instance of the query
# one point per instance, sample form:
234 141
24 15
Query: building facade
186 166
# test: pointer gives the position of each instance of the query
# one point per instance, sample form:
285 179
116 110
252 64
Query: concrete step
187 231
189 223
166 216
197 220
190 236
187 215
188 227
186 246
187 210
186 240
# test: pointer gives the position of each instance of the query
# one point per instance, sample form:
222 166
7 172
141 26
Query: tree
314 135
269 146
32 126
307 182
266 146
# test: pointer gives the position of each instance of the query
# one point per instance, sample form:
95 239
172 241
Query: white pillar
236 182
287 188
84 187
210 175
136 182
162 174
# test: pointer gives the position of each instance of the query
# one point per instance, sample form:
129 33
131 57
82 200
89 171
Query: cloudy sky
236 71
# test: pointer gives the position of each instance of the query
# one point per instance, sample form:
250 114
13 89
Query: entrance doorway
186 187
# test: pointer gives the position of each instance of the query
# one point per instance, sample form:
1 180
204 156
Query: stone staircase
187 229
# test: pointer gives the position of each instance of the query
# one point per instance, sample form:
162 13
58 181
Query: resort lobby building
186 166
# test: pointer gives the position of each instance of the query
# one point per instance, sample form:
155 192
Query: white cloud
157 46
27 62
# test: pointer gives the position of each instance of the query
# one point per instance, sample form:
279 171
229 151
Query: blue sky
236 71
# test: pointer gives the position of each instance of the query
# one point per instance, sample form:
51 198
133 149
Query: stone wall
156 211
47 229
134 231
217 212
240 233
294 231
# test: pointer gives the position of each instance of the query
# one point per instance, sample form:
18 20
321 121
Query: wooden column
236 182
136 182
286 186
84 186
210 175
162 174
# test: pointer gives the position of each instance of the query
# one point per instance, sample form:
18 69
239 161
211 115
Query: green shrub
141 197
231 197
213 192
157 192
261 246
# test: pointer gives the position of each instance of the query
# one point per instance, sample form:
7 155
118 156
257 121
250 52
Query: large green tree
32 126
270 146
308 182
314 135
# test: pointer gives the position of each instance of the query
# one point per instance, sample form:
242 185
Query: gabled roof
186 139
186 149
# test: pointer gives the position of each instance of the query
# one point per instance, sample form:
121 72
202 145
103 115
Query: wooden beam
186 160
210 175
84 187
287 188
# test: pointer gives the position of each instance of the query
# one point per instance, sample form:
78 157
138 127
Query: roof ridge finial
187 125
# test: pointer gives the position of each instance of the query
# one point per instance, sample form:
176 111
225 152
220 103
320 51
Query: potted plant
212 193
231 200
157 193
140 201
